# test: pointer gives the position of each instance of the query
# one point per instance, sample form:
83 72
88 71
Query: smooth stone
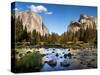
52 63
57 54
65 63
65 55
69 55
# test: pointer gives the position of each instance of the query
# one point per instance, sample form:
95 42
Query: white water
51 55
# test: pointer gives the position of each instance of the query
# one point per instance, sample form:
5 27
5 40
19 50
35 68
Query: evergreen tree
19 29
25 35
35 38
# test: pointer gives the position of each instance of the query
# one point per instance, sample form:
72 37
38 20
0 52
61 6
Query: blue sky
56 17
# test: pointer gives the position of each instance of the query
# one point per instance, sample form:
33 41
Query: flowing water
54 59
59 56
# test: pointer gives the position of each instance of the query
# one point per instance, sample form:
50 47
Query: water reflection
55 59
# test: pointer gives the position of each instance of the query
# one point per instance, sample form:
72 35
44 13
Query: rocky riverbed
54 59
67 59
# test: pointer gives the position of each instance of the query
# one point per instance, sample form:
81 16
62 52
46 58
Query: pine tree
19 29
25 35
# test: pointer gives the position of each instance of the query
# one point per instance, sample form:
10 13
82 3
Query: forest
34 38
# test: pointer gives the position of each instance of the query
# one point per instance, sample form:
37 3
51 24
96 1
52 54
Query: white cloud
38 9
49 13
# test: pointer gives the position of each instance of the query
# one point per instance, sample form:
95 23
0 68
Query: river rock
65 55
52 63
65 63
69 55
57 54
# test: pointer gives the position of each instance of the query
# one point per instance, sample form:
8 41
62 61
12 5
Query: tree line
34 37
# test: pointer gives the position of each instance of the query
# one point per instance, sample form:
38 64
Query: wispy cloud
49 13
39 9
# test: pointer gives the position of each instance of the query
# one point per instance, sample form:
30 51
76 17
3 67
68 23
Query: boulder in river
69 55
52 63
68 49
65 63
65 55
53 48
53 52
61 57
57 54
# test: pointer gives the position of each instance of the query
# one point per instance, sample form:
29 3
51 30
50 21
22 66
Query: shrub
29 63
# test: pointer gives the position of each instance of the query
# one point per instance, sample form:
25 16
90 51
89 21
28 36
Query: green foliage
21 32
24 34
90 35
63 38
35 38
29 63
19 29
54 38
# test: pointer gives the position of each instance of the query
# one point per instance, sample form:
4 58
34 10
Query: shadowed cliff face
32 21
84 22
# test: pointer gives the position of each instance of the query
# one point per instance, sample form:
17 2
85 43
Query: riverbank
61 58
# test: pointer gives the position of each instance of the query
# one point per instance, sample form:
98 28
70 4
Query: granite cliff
32 21
84 22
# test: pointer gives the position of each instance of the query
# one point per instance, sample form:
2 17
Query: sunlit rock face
32 21
84 22
74 26
87 21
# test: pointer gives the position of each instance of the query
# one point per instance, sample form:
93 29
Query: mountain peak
32 21
84 22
